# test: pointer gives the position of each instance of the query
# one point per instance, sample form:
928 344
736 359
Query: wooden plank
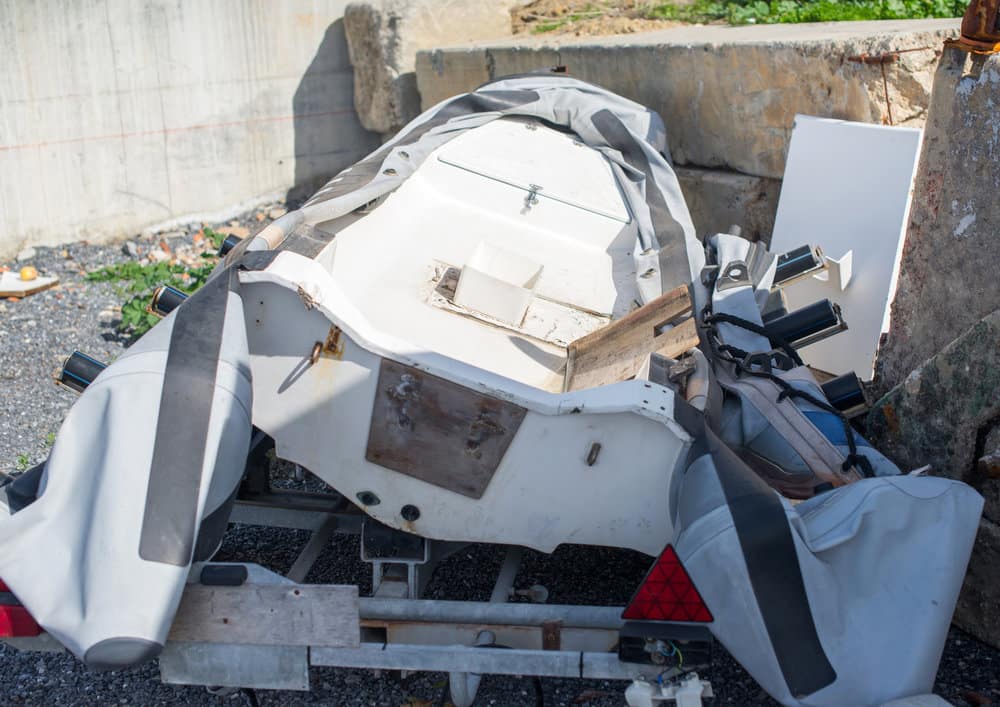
439 431
269 615
619 350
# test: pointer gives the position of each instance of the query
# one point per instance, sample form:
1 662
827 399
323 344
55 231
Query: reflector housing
667 594
15 621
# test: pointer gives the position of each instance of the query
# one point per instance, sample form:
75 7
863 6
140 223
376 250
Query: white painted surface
543 492
847 189
497 282
521 153
115 115
385 262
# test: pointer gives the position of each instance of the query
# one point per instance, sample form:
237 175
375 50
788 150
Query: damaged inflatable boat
500 328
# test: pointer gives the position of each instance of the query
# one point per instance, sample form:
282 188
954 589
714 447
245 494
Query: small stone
277 212
259 216
231 230
26 254
157 256
130 249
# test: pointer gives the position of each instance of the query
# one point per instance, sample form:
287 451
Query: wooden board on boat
619 350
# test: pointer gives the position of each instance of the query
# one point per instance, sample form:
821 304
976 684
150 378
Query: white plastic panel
847 188
525 154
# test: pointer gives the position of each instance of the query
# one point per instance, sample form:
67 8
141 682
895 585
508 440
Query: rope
775 341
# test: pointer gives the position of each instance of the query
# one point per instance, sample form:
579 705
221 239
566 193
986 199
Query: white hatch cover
847 189
523 153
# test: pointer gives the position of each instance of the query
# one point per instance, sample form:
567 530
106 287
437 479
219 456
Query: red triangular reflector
667 594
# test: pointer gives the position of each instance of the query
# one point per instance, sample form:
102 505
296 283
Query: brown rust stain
891 420
334 345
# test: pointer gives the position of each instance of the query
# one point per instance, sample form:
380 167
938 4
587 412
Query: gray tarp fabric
881 562
101 557
788 439
845 598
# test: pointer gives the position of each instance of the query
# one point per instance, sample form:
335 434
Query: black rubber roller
166 299
79 371
845 392
228 244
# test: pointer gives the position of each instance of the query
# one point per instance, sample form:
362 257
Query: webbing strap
170 519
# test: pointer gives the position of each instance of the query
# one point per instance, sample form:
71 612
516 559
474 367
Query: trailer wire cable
738 357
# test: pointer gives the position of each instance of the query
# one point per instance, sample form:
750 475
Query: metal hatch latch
532 197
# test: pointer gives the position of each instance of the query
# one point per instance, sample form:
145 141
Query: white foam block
847 188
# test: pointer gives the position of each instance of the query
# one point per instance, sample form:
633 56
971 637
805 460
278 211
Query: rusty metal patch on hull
438 431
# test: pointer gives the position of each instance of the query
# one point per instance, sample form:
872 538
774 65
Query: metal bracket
838 270
395 558
685 692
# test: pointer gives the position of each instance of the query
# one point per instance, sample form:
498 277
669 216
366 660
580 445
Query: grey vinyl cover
73 555
842 599
881 563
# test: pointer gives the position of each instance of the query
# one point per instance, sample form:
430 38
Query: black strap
777 342
775 574
170 520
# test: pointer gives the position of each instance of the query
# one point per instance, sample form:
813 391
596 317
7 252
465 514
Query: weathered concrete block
946 413
718 199
728 95
948 274
978 609
383 37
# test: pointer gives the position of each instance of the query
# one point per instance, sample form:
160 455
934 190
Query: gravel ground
36 333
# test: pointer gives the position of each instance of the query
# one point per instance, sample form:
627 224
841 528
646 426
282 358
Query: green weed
137 283
22 463
742 12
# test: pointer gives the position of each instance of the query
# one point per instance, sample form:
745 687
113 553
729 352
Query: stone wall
384 37
118 114
940 362
948 277
719 199
728 95
946 413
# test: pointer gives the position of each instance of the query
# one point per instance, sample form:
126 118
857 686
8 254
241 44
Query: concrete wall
117 114
728 95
